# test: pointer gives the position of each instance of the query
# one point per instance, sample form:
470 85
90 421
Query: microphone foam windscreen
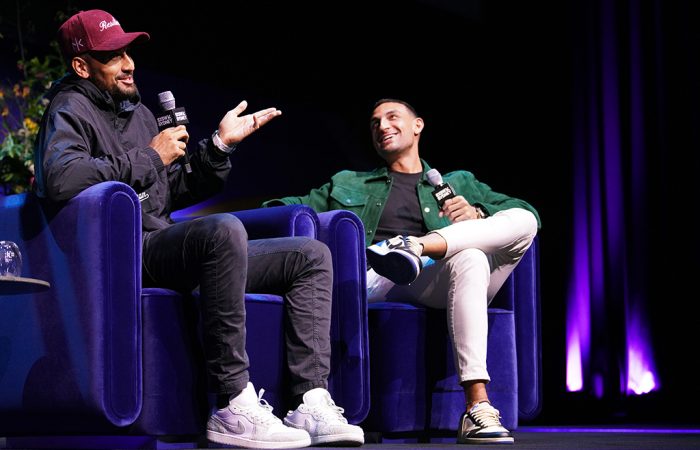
166 100
434 177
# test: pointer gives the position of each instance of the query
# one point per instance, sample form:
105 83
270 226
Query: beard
118 93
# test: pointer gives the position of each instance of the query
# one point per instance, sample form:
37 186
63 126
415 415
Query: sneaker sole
399 266
221 438
486 440
339 440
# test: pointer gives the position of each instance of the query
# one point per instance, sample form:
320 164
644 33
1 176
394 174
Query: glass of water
10 260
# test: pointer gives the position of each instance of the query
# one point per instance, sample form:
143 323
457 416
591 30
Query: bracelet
479 212
218 143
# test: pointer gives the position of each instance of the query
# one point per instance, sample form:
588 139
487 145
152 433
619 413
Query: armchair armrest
343 232
528 335
64 343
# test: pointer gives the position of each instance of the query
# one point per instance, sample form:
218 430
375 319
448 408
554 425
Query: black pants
214 253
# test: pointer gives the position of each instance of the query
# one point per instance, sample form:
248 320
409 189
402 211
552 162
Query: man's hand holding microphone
454 206
171 144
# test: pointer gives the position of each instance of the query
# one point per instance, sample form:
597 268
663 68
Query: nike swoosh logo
238 429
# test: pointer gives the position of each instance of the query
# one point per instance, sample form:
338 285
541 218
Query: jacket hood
72 82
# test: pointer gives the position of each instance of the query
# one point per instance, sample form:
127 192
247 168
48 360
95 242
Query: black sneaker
482 425
397 259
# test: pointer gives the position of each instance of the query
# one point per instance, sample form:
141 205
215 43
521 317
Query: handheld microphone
171 117
443 191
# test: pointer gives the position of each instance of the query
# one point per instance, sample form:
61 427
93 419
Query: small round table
21 285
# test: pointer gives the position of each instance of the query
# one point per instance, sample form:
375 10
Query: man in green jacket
453 250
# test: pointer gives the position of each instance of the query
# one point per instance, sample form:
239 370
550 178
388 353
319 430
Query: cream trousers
480 256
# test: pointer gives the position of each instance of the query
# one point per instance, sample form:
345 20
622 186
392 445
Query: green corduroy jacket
365 194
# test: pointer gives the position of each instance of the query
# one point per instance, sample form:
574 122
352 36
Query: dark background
493 81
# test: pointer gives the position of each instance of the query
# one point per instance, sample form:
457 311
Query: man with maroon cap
96 129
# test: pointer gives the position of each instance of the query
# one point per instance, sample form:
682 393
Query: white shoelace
406 243
262 412
330 411
486 416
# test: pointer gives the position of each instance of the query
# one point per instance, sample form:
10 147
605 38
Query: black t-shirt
402 214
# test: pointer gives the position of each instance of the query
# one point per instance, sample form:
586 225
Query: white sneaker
248 422
482 425
324 421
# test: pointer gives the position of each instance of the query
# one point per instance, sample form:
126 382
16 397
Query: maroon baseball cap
94 30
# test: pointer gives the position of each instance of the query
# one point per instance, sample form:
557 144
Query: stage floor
526 438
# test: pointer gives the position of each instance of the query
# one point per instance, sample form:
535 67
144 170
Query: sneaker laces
486 416
330 412
406 243
262 412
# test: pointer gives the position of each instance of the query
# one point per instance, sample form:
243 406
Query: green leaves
22 104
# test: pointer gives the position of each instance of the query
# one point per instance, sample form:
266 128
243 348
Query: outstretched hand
233 128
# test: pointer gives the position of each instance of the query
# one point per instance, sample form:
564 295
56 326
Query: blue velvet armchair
415 390
97 354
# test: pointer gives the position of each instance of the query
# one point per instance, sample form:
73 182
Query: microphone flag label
172 118
443 192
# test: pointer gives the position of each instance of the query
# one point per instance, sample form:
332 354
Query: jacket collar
382 173
72 82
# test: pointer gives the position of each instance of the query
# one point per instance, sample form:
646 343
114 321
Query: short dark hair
394 100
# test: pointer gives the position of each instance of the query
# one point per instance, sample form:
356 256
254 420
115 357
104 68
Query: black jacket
85 138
